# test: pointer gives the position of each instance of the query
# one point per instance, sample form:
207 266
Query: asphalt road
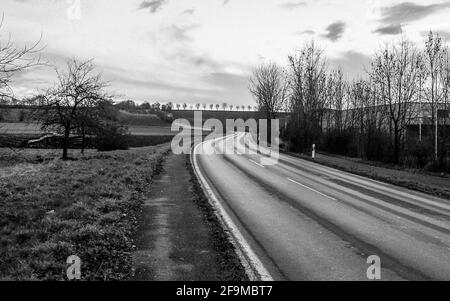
305 221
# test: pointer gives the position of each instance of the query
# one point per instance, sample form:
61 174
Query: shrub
421 152
112 137
438 166
141 141
336 142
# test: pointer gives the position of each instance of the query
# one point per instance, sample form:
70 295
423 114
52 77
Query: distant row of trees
131 106
405 87
224 106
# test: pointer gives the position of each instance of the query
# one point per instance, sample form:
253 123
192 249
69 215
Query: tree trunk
396 146
66 143
83 141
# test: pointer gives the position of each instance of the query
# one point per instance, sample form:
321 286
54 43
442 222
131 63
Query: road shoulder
179 238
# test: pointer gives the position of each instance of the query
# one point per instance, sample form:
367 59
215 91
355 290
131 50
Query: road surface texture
305 221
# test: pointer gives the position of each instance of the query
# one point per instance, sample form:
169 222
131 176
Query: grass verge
52 209
412 179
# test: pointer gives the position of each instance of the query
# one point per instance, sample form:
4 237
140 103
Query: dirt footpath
180 239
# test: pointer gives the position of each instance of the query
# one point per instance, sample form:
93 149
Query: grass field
51 209
34 129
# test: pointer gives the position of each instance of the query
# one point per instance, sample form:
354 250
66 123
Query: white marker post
313 155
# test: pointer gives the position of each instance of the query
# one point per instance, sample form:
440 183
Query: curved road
305 221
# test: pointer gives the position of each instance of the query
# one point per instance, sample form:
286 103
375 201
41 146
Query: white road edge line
256 163
312 189
254 268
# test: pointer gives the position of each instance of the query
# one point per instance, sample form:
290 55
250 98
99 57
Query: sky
203 51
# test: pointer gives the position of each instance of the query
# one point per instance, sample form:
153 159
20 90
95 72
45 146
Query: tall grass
88 208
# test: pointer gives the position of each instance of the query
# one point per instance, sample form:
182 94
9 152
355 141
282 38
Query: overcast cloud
204 50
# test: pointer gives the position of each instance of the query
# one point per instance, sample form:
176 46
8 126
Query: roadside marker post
313 155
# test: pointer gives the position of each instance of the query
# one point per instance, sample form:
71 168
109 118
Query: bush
141 141
336 142
437 166
112 137
421 152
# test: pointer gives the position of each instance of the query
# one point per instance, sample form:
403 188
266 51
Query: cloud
389 30
225 2
154 5
307 32
335 31
189 11
292 5
352 63
179 33
232 88
408 11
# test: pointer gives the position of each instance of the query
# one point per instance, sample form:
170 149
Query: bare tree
269 86
396 72
338 90
14 59
211 107
217 107
432 89
224 106
68 106
308 96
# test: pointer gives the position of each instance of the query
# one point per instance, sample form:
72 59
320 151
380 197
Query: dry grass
51 209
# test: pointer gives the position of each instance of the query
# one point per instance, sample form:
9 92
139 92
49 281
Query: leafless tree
338 90
396 73
67 107
269 86
309 94
434 52
14 59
